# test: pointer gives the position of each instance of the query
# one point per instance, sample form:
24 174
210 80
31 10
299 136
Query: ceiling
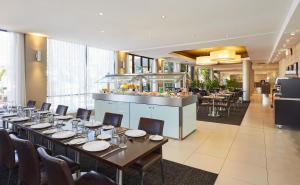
138 25
194 53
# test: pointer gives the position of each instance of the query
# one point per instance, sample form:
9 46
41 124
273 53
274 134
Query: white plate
44 112
156 138
104 136
63 117
107 127
96 146
19 119
63 134
29 123
135 133
50 131
40 126
77 141
93 124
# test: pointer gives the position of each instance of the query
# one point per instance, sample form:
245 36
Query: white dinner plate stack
93 124
135 133
18 119
50 131
103 136
107 127
63 117
40 126
96 146
63 134
78 141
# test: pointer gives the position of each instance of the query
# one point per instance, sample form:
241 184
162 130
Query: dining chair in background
8 157
59 174
45 106
61 110
112 119
152 127
31 103
83 114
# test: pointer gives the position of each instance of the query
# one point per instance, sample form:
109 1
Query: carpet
175 174
235 117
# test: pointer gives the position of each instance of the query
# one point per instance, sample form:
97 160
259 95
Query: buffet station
146 95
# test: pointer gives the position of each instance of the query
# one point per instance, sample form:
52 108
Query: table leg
119 177
77 157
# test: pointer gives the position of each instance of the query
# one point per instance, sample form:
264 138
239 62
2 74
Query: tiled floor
255 153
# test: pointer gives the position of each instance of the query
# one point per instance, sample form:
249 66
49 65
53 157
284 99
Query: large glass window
138 64
72 72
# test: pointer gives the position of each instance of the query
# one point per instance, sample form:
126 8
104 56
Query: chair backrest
151 126
112 119
45 106
7 151
61 110
29 166
57 170
31 103
83 114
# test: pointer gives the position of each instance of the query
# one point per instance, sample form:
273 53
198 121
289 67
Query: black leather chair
112 119
83 114
153 127
61 110
8 157
45 106
31 104
59 174
29 164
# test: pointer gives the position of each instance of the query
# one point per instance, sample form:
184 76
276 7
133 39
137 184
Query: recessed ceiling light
163 16
100 13
293 33
102 31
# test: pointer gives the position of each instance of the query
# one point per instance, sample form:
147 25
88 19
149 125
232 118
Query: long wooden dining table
114 156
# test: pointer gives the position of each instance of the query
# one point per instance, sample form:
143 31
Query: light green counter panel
189 119
170 115
102 106
137 111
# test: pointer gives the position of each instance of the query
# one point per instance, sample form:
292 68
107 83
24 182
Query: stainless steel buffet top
152 100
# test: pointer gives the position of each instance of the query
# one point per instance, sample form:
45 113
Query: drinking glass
123 141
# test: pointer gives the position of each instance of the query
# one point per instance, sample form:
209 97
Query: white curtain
13 61
72 72
99 63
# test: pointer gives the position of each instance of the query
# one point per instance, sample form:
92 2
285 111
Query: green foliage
211 84
205 74
231 84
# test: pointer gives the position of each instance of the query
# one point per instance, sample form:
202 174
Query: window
72 71
99 63
138 64
12 68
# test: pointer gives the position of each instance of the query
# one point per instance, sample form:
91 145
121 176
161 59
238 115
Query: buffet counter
178 112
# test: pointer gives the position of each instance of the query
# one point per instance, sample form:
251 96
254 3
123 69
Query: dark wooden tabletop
136 147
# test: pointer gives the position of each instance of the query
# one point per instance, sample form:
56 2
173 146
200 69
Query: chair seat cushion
144 163
94 178
71 164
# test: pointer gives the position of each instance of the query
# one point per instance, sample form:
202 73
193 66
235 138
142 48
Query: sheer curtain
66 71
99 63
12 65
72 72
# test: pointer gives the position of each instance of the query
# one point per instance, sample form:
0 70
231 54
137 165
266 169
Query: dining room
149 92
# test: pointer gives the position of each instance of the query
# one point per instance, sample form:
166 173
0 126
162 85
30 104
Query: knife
116 149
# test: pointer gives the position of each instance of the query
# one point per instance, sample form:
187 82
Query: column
246 80
154 68
177 70
211 74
